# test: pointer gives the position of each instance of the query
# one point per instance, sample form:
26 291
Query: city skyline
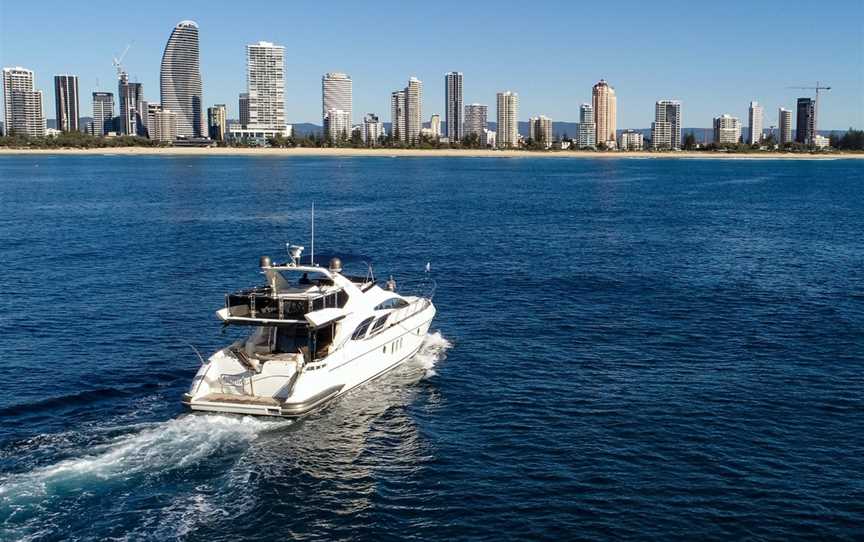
638 84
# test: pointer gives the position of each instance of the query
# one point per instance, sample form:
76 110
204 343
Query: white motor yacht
316 333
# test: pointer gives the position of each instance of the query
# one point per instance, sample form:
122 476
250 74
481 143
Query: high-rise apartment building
755 116
784 123
180 80
397 115
587 135
66 102
805 128
103 114
476 122
435 125
727 129
373 130
453 106
217 122
243 108
338 124
413 109
162 124
666 128
22 103
540 130
337 94
508 119
265 75
605 112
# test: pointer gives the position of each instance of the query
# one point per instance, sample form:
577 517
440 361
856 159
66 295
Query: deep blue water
625 349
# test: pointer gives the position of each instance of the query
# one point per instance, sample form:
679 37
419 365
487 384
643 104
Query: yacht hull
306 389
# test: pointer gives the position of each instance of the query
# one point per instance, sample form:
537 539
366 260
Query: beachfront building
805 128
540 130
785 125
727 129
476 122
103 114
217 122
605 106
180 80
821 142
666 128
453 106
373 130
490 138
435 126
338 125
66 102
132 108
265 82
508 119
586 137
397 115
755 116
413 109
162 124
22 103
337 94
630 140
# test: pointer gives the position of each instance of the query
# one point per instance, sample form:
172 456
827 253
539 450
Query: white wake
433 350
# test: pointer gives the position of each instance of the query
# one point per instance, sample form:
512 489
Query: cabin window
360 332
379 323
392 303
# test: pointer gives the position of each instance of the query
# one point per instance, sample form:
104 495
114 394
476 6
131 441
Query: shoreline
443 153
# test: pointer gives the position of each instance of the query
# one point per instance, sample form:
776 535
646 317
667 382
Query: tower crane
118 61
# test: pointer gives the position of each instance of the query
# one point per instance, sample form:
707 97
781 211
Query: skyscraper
453 106
605 112
22 103
397 115
180 79
413 109
508 119
66 101
727 129
755 115
587 136
785 125
336 94
540 130
132 109
103 113
217 122
243 108
265 73
666 128
475 121
805 128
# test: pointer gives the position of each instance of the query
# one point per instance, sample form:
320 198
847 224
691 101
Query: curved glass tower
180 79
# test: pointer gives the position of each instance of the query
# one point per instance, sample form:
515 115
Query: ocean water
624 349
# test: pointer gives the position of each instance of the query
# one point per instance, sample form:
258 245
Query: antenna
312 249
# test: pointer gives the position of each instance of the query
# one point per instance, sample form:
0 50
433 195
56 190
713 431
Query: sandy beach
425 153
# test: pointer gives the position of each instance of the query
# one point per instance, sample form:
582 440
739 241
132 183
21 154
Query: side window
379 323
360 332
392 303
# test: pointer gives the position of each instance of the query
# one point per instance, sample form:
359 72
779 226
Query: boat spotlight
336 265
265 262
295 251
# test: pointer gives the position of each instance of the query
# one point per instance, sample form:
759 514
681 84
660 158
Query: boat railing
261 303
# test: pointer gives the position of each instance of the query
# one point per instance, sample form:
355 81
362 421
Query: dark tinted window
392 303
379 323
360 332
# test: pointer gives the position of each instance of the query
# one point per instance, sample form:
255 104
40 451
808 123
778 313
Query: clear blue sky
714 56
